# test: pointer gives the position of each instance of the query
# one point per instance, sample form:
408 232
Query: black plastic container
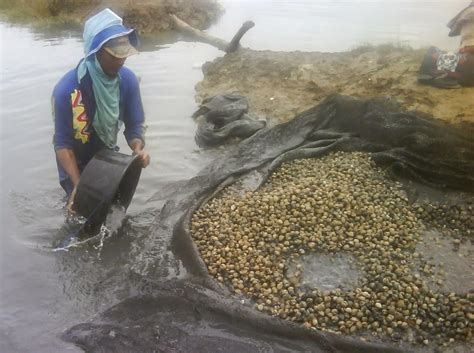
109 178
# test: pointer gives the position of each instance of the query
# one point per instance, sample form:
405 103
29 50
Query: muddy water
42 291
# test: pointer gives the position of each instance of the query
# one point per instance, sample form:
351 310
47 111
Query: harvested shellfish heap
342 203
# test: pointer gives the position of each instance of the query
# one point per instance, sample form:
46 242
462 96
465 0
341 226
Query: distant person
451 70
91 102
463 24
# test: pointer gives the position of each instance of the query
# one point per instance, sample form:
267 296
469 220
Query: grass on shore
45 13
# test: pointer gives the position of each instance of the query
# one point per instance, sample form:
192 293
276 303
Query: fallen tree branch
203 37
235 42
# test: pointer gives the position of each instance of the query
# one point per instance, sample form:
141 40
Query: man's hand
144 158
70 202
137 147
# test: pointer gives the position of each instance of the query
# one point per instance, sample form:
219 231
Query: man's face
109 63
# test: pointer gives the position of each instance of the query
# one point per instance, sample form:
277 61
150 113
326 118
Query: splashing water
76 225
115 218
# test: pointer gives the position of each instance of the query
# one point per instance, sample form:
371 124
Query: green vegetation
147 16
382 49
385 50
46 13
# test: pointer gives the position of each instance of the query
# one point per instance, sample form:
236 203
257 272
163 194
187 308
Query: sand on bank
282 84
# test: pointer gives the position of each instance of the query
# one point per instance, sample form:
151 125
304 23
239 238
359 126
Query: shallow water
450 258
43 292
327 272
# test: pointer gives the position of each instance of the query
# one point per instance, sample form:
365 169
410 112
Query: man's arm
67 160
63 140
134 118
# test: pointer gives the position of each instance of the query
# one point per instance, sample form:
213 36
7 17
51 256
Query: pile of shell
339 203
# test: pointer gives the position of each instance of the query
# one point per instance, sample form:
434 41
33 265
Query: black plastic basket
109 178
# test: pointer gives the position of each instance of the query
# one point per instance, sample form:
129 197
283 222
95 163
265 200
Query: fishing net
196 312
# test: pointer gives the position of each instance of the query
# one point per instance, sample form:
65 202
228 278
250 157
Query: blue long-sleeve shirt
74 108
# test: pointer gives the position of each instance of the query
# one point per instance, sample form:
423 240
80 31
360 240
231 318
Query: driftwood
203 37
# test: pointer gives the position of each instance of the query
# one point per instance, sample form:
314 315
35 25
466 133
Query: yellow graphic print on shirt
80 122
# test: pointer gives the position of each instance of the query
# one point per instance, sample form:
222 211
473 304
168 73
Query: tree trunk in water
203 37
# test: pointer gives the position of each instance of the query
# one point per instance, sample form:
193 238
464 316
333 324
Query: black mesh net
196 313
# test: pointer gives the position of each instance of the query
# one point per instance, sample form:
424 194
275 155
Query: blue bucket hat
101 28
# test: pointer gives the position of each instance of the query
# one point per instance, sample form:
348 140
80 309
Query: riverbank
282 84
147 16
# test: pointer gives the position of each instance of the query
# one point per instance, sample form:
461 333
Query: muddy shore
282 84
149 17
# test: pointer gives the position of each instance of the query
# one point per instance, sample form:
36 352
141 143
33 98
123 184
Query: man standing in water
91 102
